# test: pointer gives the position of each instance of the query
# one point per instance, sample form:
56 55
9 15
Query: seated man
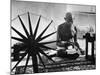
67 36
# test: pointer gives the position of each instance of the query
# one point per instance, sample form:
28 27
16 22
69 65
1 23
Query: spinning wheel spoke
46 55
41 60
20 34
30 27
18 39
23 26
41 45
44 31
47 42
35 32
27 60
46 36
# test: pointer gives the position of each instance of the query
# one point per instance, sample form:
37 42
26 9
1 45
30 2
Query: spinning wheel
31 44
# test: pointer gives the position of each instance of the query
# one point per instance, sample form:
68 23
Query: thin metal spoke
41 51
18 62
44 31
41 60
23 26
30 26
18 39
45 36
20 34
35 32
27 60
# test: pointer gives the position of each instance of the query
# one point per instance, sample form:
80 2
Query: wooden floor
62 65
71 65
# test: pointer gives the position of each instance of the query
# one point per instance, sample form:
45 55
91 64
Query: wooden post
86 47
93 57
35 63
90 39
92 49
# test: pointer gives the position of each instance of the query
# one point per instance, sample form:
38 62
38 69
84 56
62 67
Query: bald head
68 17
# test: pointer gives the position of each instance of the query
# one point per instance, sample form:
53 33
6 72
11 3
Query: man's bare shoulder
61 25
